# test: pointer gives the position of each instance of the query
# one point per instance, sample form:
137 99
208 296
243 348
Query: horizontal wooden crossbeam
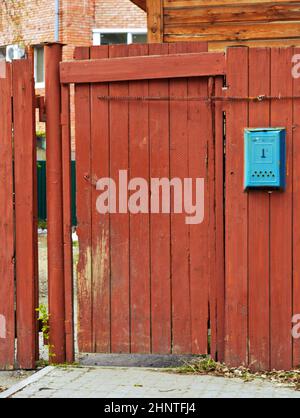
143 68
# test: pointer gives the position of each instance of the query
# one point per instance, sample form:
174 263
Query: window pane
2 52
39 65
139 38
113 38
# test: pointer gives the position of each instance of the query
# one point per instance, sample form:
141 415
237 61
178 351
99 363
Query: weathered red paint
25 212
84 201
236 213
281 224
53 56
160 237
7 312
119 223
296 211
135 290
67 219
18 222
149 283
259 225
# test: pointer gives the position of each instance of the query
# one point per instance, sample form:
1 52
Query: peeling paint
84 275
2 327
100 261
2 69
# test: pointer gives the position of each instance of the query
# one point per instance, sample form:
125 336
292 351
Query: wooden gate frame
105 70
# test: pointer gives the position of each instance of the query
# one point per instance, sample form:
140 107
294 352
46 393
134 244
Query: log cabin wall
225 22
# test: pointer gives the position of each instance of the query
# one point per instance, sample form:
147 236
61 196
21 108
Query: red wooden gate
145 282
18 228
149 283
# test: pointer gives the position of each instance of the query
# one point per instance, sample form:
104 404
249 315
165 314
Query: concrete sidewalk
106 382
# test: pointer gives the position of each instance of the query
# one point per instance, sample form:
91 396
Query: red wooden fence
149 283
262 229
18 214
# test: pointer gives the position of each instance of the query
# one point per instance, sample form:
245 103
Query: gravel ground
9 379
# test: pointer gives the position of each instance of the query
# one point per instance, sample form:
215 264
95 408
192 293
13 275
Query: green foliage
66 366
44 319
42 224
41 134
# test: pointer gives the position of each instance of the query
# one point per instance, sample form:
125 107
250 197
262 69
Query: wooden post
7 268
155 21
53 56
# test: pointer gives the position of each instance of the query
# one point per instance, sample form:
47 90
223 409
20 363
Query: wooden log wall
224 23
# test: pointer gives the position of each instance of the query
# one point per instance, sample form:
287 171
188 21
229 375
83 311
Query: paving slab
118 382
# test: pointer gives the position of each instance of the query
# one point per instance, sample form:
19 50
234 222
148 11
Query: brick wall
119 14
26 21
32 21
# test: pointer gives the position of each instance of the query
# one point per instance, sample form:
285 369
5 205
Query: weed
44 319
207 366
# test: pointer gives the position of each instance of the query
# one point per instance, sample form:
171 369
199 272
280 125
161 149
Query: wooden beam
143 68
155 21
140 3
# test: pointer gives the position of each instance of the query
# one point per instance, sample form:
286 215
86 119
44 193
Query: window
2 52
119 36
39 66
139 38
113 38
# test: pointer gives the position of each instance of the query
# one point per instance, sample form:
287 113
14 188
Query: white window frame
130 32
38 85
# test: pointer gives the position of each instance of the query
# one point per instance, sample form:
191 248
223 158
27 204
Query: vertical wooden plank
259 223
281 218
296 211
201 241
181 296
7 288
155 17
100 155
84 201
139 223
236 212
160 223
25 169
217 293
120 232
67 214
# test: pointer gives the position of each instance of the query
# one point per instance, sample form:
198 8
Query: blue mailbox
265 158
